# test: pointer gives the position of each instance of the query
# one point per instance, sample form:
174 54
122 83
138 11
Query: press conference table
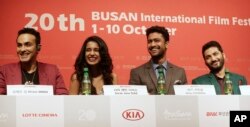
119 111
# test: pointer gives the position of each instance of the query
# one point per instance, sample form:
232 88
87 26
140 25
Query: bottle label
228 88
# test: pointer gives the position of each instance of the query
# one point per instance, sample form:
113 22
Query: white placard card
245 89
194 90
125 90
30 90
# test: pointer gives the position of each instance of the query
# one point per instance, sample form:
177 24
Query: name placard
125 90
245 89
30 90
194 90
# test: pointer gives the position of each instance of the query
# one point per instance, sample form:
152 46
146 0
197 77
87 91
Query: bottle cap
160 68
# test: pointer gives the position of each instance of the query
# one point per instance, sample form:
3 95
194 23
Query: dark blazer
145 75
10 74
210 79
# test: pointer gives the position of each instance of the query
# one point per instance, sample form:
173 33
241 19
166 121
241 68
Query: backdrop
64 25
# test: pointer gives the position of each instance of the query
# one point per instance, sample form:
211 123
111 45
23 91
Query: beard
158 56
218 68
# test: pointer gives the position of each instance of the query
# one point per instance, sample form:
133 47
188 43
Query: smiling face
214 59
157 45
92 54
26 48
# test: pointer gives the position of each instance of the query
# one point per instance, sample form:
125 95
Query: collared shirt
156 70
221 83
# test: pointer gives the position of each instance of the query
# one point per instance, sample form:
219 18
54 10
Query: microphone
177 82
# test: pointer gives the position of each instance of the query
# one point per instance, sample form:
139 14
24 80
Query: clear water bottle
86 84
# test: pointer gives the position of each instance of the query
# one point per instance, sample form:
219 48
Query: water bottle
86 84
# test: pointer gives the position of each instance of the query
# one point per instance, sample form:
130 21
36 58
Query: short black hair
31 31
211 44
158 29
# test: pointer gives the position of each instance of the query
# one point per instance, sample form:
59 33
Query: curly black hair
105 65
158 29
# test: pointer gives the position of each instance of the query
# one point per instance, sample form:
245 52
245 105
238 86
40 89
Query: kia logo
133 114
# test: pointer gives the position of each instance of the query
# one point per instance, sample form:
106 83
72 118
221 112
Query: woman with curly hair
95 56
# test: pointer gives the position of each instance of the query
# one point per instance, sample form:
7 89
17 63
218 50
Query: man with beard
28 70
214 58
146 74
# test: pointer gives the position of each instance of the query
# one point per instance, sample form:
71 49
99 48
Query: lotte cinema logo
133 114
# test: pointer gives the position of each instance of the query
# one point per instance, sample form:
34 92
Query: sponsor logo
210 114
4 117
133 114
39 115
177 115
216 114
87 115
